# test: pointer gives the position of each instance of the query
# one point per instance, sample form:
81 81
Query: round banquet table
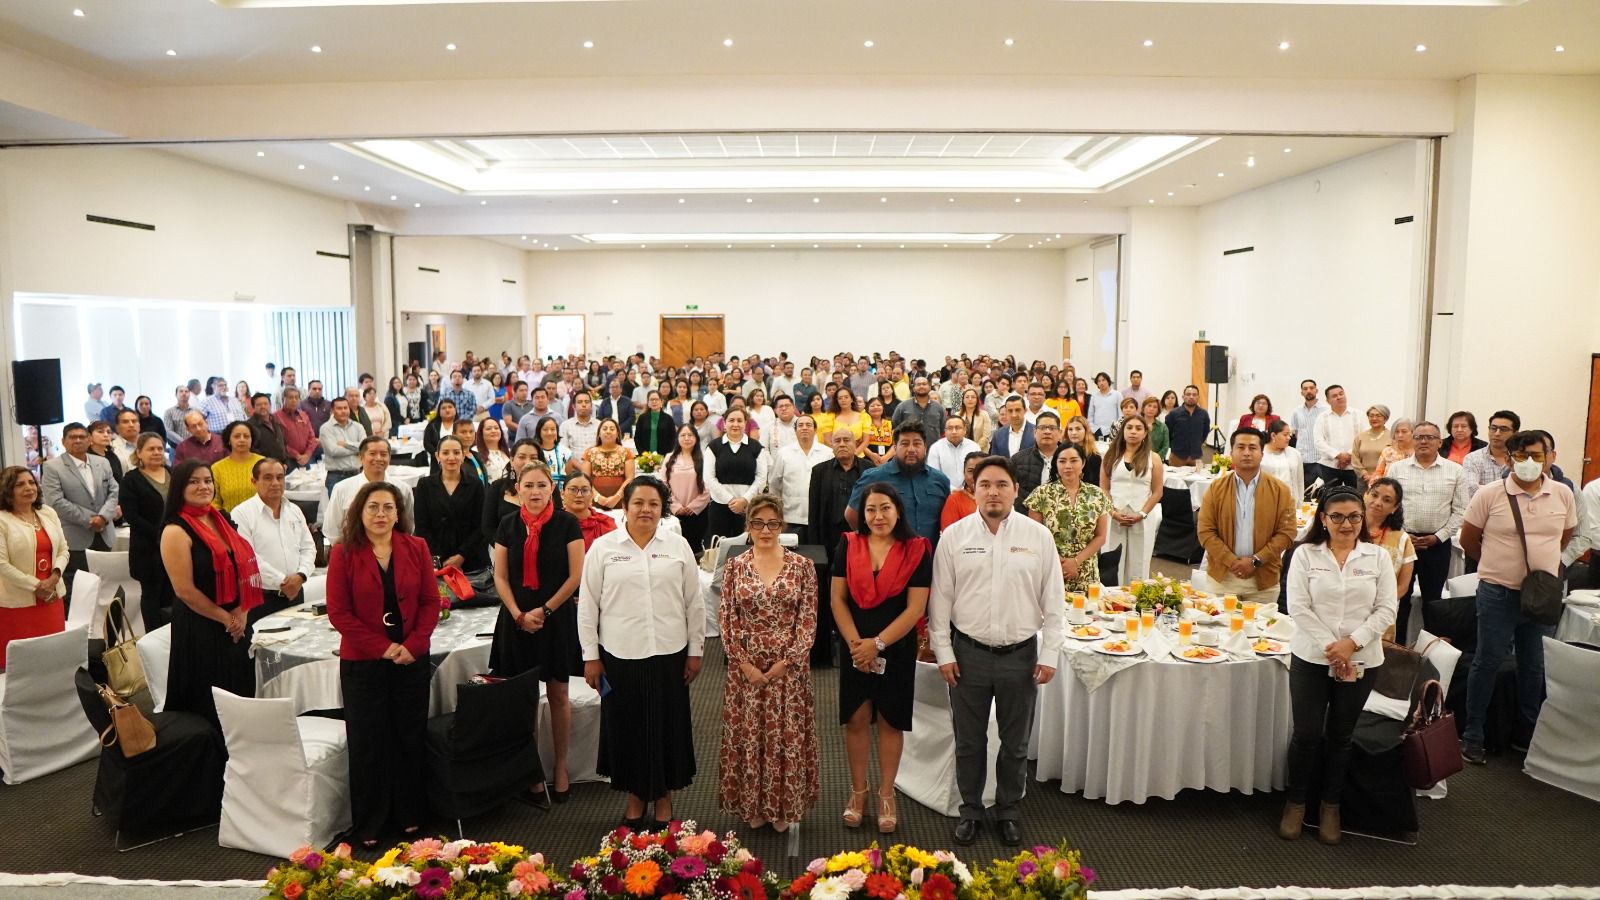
1580 624
1159 727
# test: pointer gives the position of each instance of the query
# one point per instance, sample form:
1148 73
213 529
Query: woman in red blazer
384 601
1260 415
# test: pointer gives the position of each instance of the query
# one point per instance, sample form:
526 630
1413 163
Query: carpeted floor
1498 827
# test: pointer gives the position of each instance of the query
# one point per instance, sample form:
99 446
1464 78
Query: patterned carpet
1498 827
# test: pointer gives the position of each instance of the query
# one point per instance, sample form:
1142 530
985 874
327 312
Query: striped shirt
1481 469
1435 496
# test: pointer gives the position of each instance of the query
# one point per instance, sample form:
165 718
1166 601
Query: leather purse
1430 751
124 671
1541 593
129 729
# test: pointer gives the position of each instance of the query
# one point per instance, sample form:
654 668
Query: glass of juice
1185 632
1236 623
1250 608
1134 585
1131 622
1094 592
1147 621
1077 600
1230 602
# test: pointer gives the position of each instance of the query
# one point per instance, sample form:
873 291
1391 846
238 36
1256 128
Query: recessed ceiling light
335 178
952 199
1422 48
301 166
483 203
588 45
1250 162
749 199
555 248
773 246
261 153
316 48
902 246
641 247
1149 43
172 53
1283 45
393 197
1151 200
417 205
1016 199
867 44
858 246
988 246
449 46
1011 42
814 246
883 199
727 42
816 199
78 13
366 187
1058 235
1222 174
524 237
615 201
1560 48
682 200
1171 194
1288 149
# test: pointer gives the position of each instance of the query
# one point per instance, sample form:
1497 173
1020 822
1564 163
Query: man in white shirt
782 432
950 455
580 432
784 383
789 475
277 531
1587 539
482 391
1335 437
994 621
374 455
1304 420
1437 492
127 431
1035 404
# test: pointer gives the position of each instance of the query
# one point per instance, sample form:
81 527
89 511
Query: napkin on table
1094 669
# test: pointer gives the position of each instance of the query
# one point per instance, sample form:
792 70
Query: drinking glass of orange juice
1134 585
1236 623
1230 602
1185 632
1250 608
1131 623
1147 620
1094 592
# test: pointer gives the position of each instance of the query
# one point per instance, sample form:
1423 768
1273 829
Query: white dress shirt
1436 497
1335 434
578 436
344 493
640 602
1288 467
997 588
282 543
951 459
1329 603
790 478
1587 537
725 493
778 435
482 391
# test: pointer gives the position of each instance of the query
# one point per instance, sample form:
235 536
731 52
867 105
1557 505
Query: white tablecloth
1580 623
1158 728
310 485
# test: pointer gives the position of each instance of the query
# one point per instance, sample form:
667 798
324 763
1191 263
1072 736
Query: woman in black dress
880 590
501 498
450 511
440 425
143 495
214 583
538 560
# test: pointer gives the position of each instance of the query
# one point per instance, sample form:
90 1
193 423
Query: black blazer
142 509
452 523
621 410
666 433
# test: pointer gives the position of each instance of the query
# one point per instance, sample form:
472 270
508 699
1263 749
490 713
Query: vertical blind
318 343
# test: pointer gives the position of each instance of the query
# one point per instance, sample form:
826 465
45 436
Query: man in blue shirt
922 489
1187 427
465 400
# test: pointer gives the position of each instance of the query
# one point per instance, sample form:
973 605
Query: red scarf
596 524
238 580
869 590
530 546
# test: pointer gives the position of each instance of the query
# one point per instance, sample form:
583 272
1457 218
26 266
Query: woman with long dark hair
491 449
143 497
553 453
502 498
684 472
149 421
443 423
450 511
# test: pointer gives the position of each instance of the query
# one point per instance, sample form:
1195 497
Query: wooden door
685 337
1591 437
707 335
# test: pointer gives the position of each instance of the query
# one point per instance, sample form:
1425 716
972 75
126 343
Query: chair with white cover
42 728
315 589
112 569
155 651
1462 586
84 610
287 784
1564 752
928 761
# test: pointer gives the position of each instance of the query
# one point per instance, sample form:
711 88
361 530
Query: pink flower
875 858
854 879
434 885
313 861
299 855
426 849
537 883
818 867
916 876
688 867
1088 875
576 894
341 852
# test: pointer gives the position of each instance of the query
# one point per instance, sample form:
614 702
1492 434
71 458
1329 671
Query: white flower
962 872
346 874
456 874
514 888
491 867
453 849
854 879
398 876
364 882
830 889
916 876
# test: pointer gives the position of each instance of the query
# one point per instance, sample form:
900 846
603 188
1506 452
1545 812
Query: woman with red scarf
383 600
538 560
879 593
212 575
577 497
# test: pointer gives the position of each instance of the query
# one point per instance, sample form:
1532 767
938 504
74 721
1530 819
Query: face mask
1527 469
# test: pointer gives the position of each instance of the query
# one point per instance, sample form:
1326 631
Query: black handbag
1541 591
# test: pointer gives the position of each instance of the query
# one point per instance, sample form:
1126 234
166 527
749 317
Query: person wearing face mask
922 488
1507 550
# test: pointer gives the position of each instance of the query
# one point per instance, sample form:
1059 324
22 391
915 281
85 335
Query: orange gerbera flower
641 878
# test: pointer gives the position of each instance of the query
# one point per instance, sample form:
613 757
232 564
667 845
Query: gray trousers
1007 681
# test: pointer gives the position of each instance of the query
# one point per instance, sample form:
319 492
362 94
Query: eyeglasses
1345 518
1500 429
1425 437
579 491
765 525
1523 456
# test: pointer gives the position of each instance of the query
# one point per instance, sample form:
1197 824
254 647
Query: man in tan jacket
1246 522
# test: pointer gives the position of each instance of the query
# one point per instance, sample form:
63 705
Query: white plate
1282 652
1221 657
1100 648
1097 637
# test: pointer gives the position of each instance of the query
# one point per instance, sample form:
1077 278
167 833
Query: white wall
925 303
479 283
483 335
1331 291
1518 266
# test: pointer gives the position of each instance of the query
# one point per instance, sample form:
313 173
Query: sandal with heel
855 809
887 820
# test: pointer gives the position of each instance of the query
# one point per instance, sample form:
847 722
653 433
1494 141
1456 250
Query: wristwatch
878 642
1255 561
548 612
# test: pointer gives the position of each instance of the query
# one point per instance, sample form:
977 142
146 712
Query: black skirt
552 650
203 656
646 734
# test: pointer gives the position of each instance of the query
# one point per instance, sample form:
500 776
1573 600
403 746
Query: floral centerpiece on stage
648 462
899 873
1043 873
429 869
1221 463
677 863
1161 594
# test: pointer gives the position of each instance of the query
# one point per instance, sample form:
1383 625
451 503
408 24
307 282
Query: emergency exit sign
558 307
691 306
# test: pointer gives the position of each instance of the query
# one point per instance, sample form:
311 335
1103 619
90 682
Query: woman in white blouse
376 412
1282 461
642 626
1131 475
1342 598
735 471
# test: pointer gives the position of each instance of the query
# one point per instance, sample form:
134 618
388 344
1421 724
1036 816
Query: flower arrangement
445 599
679 863
899 873
1160 593
1221 463
648 462
429 869
1043 873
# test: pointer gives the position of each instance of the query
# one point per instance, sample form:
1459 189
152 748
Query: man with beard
922 489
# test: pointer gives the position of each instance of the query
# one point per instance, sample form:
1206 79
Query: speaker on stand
36 390
1217 376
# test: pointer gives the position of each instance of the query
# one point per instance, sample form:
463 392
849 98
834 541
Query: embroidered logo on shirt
1027 550
662 556
619 558
974 551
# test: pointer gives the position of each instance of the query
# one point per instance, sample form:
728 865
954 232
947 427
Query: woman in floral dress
1077 514
769 722
608 464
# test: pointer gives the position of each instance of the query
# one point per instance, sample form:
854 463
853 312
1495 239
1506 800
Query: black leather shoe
1010 832
1473 753
536 798
967 831
561 796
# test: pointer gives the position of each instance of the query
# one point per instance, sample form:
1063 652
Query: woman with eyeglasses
1341 594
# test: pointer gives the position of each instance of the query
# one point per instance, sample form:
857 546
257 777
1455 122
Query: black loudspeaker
417 350
36 384
1216 364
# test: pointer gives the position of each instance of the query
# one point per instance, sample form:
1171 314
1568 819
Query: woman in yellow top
846 416
232 472
1065 405
879 442
815 408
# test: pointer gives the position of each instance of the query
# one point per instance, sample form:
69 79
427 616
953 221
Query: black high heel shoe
561 796
538 798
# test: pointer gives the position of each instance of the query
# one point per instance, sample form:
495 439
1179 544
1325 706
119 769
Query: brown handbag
129 729
1430 751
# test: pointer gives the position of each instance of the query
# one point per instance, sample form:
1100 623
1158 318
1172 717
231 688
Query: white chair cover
112 567
928 762
315 590
42 726
84 612
583 746
287 784
458 666
155 651
1462 586
1564 752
